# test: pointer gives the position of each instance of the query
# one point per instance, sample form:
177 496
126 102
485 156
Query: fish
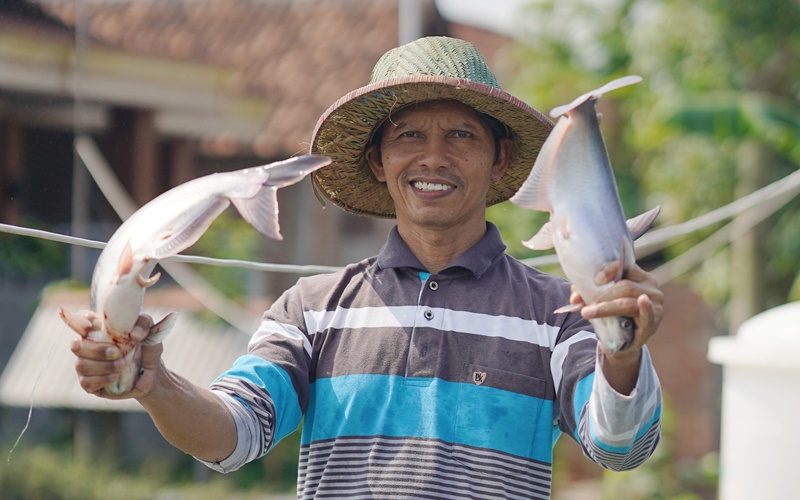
163 227
573 180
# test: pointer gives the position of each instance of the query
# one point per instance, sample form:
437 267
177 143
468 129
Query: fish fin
81 323
543 240
568 308
187 236
534 194
261 211
595 94
620 269
125 264
641 223
148 282
563 228
159 331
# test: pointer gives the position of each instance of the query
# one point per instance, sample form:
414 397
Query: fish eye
626 323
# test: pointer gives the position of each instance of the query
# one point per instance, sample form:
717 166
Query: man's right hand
99 364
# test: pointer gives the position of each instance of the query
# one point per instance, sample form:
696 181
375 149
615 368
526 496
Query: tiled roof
300 54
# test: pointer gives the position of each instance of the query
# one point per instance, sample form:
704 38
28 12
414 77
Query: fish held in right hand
165 226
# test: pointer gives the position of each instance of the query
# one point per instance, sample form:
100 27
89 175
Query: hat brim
345 129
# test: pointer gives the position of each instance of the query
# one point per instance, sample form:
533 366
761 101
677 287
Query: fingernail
112 353
589 311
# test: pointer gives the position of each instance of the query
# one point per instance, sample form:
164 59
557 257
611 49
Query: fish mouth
611 335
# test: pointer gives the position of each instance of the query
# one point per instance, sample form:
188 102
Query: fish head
615 332
122 298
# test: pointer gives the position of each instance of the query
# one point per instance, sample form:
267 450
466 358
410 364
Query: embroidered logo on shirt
478 377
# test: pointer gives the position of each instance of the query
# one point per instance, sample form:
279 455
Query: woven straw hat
424 70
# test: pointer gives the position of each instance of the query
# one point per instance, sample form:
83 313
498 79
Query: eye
626 323
462 134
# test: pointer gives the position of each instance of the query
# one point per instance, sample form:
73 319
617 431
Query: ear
503 158
373 156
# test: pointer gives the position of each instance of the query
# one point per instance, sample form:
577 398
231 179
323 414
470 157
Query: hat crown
435 56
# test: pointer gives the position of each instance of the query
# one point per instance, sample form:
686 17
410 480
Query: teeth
428 186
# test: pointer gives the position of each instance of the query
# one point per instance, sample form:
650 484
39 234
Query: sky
493 15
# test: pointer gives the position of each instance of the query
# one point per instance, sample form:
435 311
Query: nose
435 154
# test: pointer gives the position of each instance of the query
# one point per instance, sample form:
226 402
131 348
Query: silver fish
165 226
572 179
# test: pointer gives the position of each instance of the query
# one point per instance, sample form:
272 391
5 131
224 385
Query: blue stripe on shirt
366 405
583 389
622 450
279 386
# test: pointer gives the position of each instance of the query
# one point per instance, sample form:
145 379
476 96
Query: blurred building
170 90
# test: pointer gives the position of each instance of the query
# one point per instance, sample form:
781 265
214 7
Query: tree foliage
721 76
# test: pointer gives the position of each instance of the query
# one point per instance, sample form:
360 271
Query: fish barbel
572 179
165 226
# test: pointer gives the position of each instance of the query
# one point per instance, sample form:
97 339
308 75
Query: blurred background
104 104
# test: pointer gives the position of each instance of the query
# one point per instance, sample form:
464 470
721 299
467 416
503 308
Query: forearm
190 417
621 430
622 370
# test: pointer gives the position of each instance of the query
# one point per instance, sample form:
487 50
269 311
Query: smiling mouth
429 186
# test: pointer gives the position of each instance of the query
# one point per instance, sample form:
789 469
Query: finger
617 307
94 384
639 275
98 351
151 355
142 327
650 314
607 273
646 313
92 368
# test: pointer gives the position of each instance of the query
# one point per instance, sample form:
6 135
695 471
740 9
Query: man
438 368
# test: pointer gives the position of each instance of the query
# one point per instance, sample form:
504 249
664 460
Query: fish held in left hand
572 179
165 226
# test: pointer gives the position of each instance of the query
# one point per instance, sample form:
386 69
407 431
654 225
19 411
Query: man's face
437 160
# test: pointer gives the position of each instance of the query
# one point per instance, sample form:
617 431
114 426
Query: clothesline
769 198
189 259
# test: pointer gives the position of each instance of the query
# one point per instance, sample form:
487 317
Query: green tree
716 118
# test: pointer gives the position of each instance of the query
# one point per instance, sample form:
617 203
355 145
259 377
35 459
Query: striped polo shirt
417 385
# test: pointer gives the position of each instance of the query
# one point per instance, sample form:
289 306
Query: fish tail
595 94
291 171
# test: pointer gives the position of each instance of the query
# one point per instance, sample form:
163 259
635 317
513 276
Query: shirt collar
477 259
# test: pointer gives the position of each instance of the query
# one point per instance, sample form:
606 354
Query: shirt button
433 285
428 315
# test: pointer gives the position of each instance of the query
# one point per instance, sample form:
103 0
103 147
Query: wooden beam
133 152
12 161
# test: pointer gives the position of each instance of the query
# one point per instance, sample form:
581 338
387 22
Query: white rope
788 186
189 259
782 190
732 231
